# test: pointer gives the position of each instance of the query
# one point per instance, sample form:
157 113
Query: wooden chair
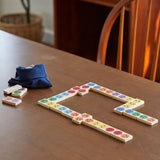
119 10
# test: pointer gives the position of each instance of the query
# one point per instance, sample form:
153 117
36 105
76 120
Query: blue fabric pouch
31 77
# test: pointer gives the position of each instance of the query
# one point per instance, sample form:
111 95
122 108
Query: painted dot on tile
129 111
79 118
120 109
82 90
109 91
151 119
143 117
44 101
65 94
59 96
85 86
68 111
85 115
97 87
52 98
103 126
62 108
117 132
136 114
124 135
17 92
76 88
95 123
115 94
71 91
122 96
90 84
74 114
110 129
103 89
89 120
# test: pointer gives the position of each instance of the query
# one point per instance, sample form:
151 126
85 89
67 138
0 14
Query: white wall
42 7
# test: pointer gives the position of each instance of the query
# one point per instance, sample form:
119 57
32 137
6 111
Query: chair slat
155 58
142 73
120 40
132 54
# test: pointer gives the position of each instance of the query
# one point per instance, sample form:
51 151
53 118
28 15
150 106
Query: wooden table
31 132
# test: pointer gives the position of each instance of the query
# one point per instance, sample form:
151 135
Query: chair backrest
119 10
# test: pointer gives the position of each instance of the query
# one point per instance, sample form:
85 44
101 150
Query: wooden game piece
43 102
67 112
120 135
11 101
12 89
19 93
57 108
147 119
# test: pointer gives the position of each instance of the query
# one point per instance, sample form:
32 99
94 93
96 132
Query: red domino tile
117 132
110 129
71 91
76 88
82 90
85 86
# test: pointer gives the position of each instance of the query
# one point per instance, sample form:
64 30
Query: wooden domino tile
12 89
11 101
19 93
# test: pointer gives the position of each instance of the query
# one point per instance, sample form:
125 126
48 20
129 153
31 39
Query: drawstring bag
31 77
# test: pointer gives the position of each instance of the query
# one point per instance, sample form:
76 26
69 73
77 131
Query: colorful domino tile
11 101
19 93
12 89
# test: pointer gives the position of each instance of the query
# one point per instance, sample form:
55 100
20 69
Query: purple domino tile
22 89
122 96
115 94
15 100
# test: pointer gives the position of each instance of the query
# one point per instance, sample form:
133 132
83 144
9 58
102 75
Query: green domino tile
136 114
44 100
17 92
52 98
143 117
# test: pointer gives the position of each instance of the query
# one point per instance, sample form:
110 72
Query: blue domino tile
97 87
62 108
120 109
122 96
129 111
59 96
65 94
90 84
115 94
68 111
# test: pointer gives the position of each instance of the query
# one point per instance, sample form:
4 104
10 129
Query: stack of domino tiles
87 120
15 91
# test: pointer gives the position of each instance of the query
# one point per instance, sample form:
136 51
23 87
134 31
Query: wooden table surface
31 132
